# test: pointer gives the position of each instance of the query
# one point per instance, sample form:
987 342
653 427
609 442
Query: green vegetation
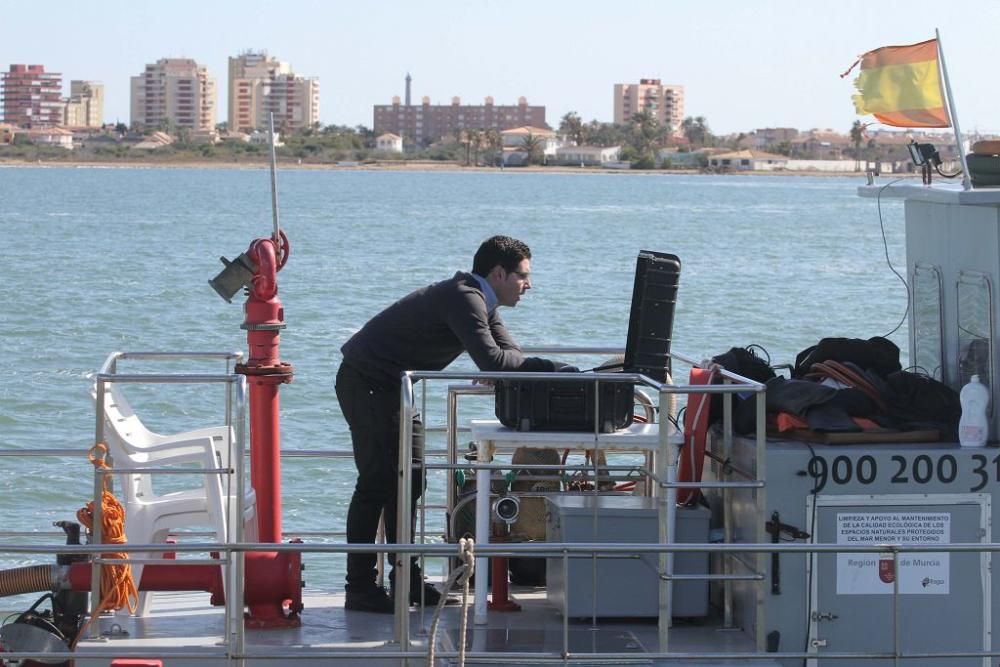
328 144
641 140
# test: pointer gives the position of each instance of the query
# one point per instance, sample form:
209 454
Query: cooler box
543 405
626 586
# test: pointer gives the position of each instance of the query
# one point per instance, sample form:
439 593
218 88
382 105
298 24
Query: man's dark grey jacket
429 328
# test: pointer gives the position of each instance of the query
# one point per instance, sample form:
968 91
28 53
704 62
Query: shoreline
408 165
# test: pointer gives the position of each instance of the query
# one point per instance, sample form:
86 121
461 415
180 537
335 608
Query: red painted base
503 605
501 601
252 622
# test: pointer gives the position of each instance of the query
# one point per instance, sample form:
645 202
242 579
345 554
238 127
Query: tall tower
31 96
408 79
260 85
665 103
174 91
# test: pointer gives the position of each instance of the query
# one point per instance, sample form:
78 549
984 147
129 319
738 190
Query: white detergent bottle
973 428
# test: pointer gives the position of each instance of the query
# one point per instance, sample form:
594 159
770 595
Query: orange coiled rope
117 587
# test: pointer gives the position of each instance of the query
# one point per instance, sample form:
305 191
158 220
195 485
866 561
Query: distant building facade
427 123
52 136
32 97
748 160
85 106
766 137
389 143
665 103
587 155
260 85
515 138
174 91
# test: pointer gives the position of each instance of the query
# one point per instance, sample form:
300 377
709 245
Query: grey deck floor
184 623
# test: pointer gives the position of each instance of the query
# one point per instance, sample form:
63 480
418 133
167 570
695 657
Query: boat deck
184 630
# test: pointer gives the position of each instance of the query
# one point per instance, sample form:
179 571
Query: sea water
98 260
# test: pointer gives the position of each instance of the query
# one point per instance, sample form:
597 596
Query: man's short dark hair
502 250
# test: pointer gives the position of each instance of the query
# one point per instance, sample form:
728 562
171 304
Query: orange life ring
692 459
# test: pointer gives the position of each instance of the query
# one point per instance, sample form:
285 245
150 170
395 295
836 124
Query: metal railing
663 474
230 649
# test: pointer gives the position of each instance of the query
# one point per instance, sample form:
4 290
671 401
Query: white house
55 136
389 143
154 141
748 161
514 138
588 155
258 138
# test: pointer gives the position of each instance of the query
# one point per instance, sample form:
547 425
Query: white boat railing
233 644
229 650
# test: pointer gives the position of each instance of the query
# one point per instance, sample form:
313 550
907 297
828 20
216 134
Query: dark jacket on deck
430 328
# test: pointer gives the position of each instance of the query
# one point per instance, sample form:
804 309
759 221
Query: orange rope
117 586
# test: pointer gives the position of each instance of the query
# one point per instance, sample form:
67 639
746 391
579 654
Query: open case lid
651 319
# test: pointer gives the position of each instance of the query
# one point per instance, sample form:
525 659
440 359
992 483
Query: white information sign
922 573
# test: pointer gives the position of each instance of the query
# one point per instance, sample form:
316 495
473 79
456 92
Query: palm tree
572 126
462 137
494 142
646 133
476 141
857 137
532 145
696 130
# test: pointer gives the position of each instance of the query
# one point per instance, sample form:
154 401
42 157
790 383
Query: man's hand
483 381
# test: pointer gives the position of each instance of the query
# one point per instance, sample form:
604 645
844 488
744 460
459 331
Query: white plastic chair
150 517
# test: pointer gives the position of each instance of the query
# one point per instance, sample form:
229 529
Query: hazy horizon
743 66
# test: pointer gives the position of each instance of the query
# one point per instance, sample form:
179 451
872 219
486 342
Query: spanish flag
901 86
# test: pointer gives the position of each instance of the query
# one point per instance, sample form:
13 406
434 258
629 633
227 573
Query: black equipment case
568 405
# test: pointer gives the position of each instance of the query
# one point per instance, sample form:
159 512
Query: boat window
975 329
928 349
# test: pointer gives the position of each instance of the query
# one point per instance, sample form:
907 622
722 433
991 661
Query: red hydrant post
267 595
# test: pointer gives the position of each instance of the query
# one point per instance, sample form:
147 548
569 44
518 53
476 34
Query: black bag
742 361
917 402
876 354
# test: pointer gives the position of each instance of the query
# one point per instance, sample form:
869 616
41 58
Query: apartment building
32 97
428 123
85 106
665 103
260 85
176 93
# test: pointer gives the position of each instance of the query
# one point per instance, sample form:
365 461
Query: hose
28 579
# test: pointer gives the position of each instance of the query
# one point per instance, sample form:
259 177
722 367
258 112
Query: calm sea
118 259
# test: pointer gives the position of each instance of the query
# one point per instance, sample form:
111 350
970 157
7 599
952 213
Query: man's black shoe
431 595
374 599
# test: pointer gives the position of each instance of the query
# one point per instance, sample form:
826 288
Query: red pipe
272 583
263 322
206 578
273 593
265 455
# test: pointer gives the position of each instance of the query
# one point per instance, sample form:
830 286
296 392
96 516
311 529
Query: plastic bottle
973 428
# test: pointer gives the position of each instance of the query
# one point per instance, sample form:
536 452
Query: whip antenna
274 181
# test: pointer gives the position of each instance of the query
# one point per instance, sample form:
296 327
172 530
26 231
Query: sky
744 64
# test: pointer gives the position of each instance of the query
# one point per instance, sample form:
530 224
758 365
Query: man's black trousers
372 412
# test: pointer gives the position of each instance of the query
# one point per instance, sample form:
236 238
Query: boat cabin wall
953 262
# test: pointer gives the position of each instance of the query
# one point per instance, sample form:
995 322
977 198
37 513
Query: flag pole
966 179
